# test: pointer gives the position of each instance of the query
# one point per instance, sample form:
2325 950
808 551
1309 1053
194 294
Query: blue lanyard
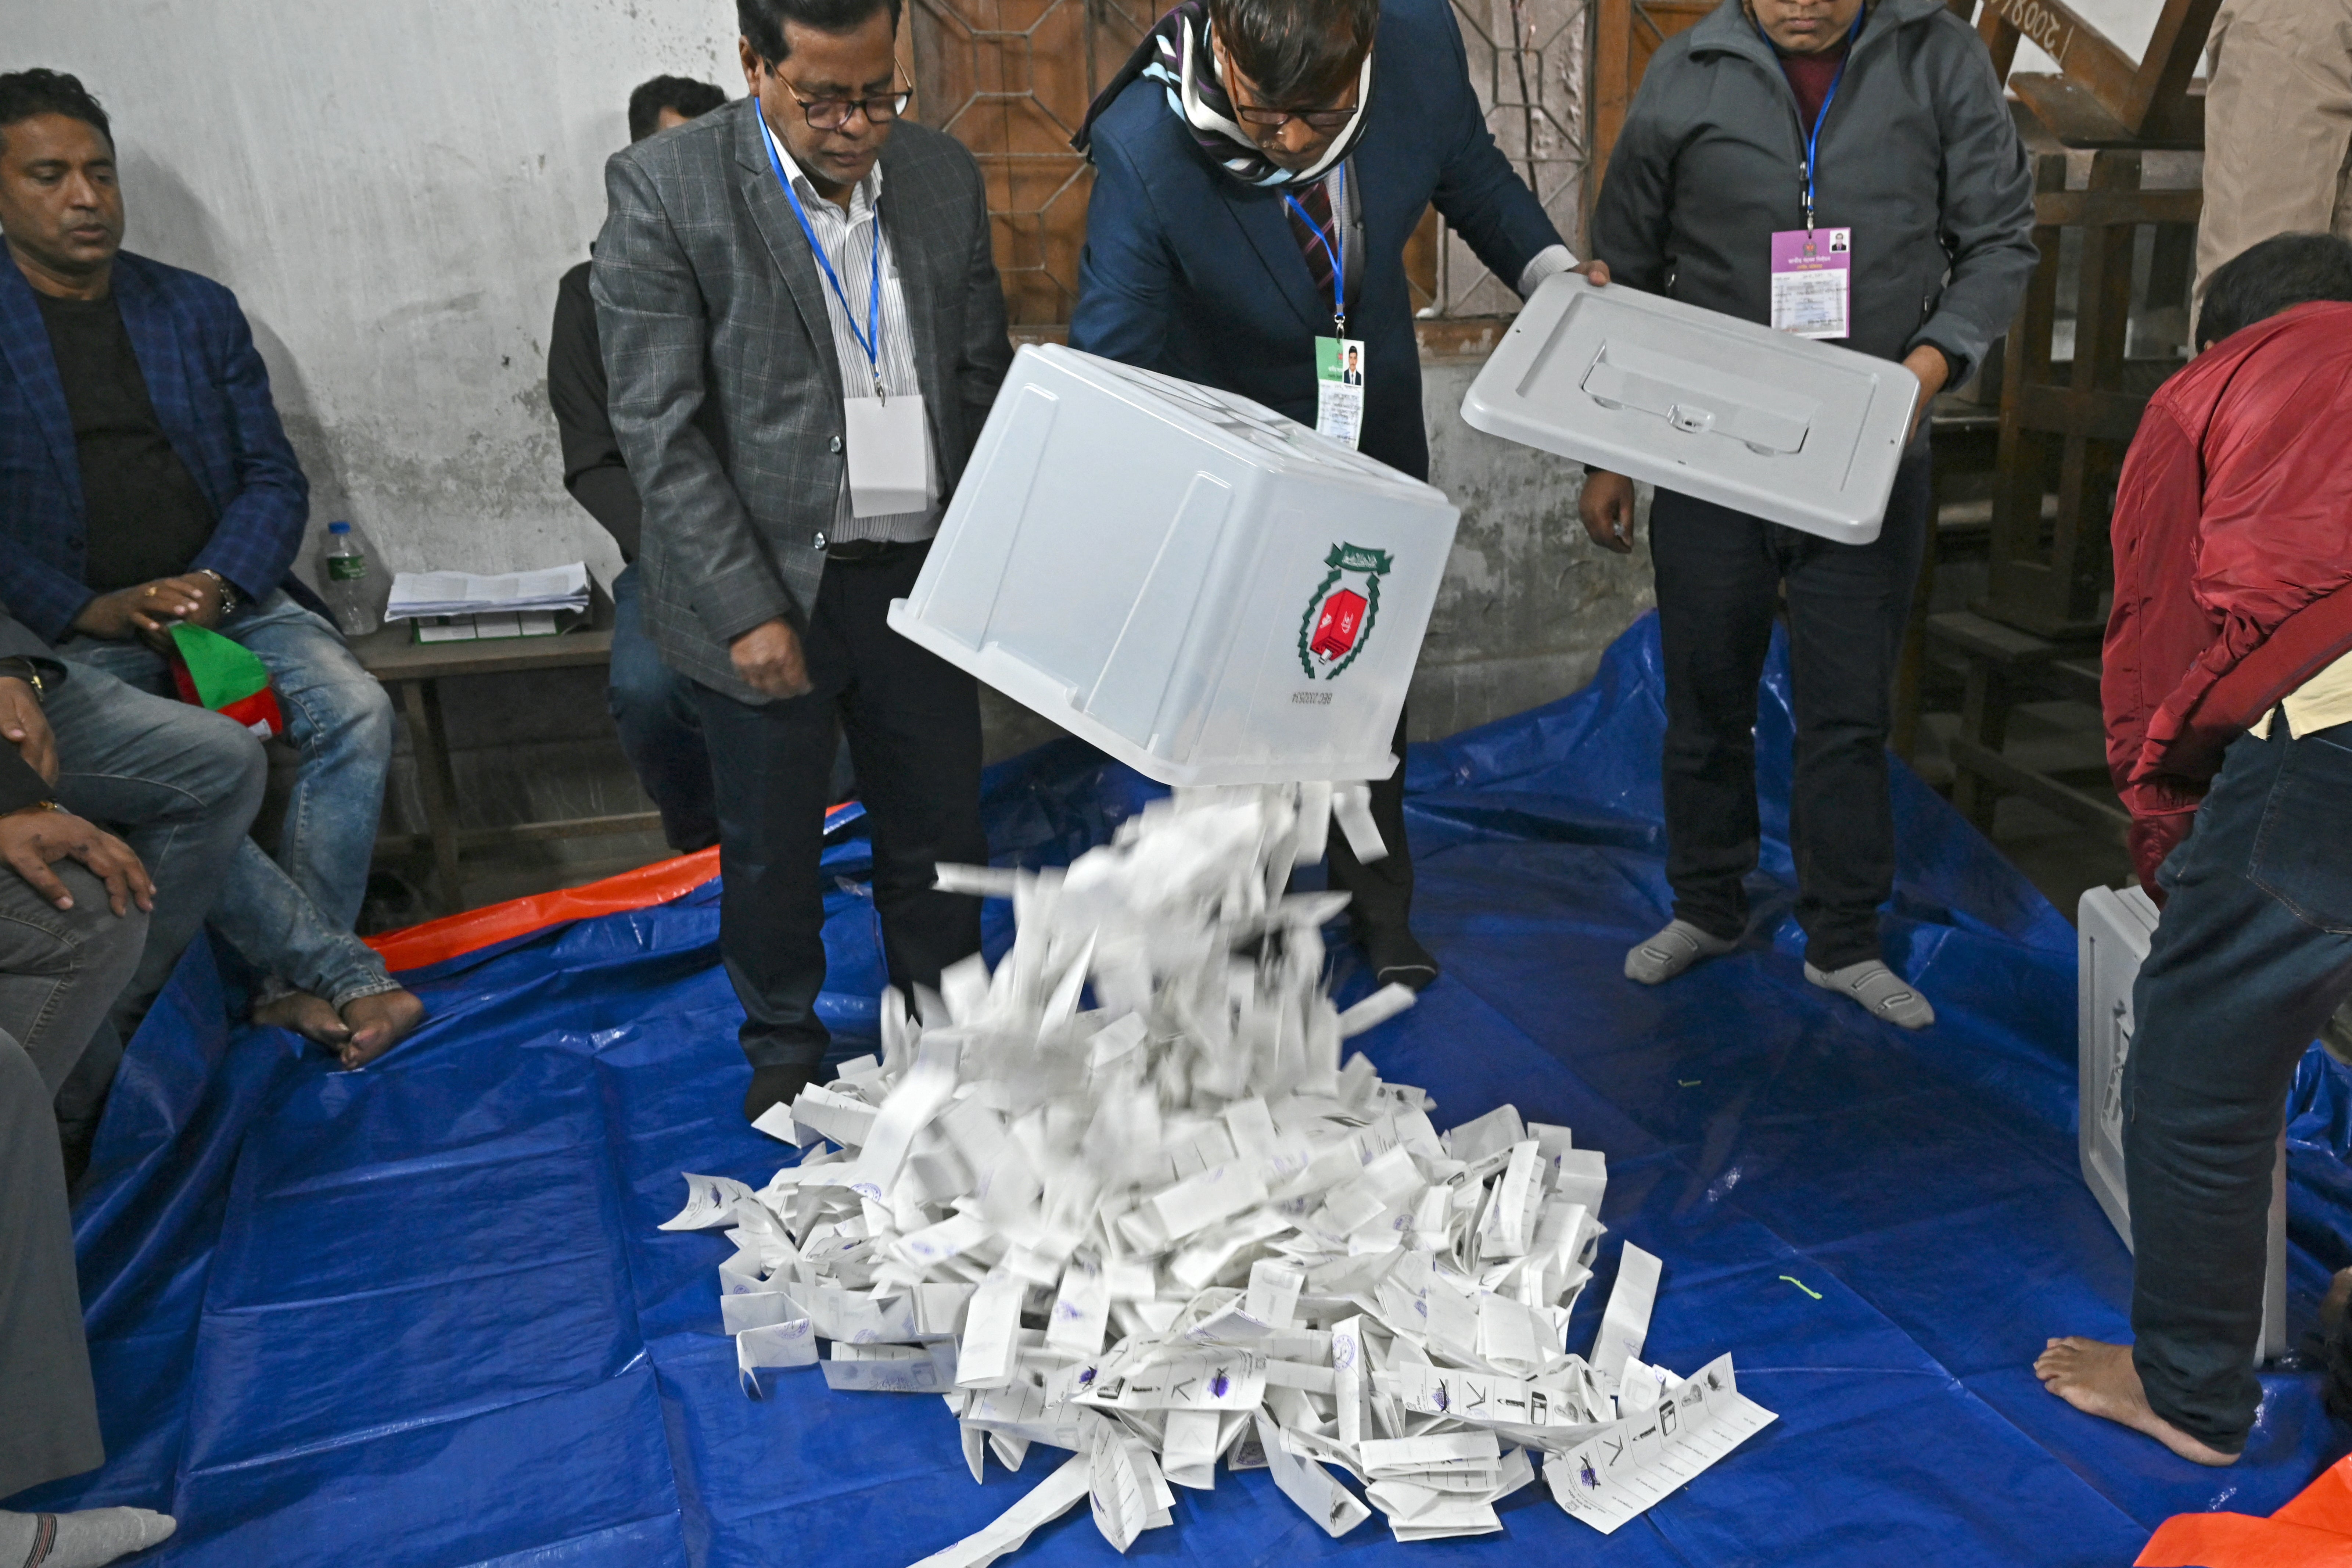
1334 247
872 340
1813 138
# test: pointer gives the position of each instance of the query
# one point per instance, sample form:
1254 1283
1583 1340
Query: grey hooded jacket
1918 156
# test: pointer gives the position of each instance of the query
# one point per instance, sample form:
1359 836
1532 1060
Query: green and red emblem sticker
1341 610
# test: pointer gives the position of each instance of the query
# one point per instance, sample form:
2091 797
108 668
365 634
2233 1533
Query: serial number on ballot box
1319 698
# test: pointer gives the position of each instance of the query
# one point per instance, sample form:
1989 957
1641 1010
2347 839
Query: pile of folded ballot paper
1122 1198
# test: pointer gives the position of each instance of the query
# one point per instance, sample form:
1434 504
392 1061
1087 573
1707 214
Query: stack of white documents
509 603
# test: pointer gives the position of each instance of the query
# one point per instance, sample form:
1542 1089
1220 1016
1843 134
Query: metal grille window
1528 62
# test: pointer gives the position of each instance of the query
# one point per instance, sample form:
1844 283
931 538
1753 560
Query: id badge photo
1340 388
1812 278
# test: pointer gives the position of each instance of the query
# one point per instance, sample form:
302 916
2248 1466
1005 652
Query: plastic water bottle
351 590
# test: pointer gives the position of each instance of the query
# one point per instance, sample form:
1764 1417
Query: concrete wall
392 190
1528 601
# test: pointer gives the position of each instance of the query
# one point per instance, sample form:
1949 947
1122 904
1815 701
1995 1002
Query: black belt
862 552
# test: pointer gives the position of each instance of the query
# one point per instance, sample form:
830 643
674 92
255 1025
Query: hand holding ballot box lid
1801 433
1209 592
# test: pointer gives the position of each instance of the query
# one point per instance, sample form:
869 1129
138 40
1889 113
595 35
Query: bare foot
379 1023
2100 1380
313 1017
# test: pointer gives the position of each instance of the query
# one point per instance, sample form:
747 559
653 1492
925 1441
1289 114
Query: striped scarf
1176 53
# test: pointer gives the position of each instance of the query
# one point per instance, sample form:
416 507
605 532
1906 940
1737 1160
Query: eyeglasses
1274 118
832 113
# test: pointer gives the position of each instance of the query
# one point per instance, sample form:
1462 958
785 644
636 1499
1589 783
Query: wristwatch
229 600
26 670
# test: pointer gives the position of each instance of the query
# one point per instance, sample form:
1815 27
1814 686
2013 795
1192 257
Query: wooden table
414 671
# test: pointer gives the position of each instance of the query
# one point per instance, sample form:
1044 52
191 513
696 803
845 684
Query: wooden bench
413 673
2005 667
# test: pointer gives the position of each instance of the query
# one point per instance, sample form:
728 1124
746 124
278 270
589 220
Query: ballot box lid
1798 432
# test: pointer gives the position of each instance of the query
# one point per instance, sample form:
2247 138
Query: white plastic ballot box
1209 592
2112 927
1801 433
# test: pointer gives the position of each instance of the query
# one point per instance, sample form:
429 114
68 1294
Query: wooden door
1626 34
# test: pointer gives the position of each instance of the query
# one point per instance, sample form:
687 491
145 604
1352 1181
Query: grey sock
90 1539
1885 994
1672 951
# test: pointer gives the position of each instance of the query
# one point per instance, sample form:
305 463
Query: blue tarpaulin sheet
420 1315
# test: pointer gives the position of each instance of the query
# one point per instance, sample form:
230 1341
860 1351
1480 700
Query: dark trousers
653 707
912 722
1720 575
59 971
1382 890
2253 952
50 1429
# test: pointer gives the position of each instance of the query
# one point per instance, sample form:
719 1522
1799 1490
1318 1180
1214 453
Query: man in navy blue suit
145 481
1259 166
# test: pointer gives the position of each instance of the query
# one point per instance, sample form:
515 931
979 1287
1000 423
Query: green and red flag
216 672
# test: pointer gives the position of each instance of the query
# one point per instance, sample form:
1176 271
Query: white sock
1878 988
90 1539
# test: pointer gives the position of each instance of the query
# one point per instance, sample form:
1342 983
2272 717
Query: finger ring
150 592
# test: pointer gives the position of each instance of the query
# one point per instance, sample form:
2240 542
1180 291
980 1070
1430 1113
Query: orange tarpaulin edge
2314 1530
452 936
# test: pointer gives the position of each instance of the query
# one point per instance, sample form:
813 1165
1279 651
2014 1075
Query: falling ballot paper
1121 1197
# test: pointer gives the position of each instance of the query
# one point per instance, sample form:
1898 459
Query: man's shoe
1885 994
1672 951
1398 957
772 1087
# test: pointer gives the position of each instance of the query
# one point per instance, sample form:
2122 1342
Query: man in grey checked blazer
730 342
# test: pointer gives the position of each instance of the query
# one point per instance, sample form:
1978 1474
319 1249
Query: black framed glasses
832 113
1276 119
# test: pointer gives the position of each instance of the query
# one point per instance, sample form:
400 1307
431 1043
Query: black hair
690 98
1299 53
26 93
762 21
2280 273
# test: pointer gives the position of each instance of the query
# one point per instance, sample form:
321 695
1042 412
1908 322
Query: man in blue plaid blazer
144 481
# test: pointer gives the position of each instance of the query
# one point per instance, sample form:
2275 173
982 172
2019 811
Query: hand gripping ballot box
1794 431
1209 592
2112 930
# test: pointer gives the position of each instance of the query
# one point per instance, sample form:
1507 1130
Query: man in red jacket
2228 691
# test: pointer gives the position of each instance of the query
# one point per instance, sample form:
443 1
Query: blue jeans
660 729
292 916
2253 952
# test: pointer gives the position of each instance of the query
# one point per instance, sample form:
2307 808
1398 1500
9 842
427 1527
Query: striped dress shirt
848 240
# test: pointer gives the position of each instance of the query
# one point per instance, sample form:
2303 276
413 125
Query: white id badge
1813 273
889 455
1340 388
